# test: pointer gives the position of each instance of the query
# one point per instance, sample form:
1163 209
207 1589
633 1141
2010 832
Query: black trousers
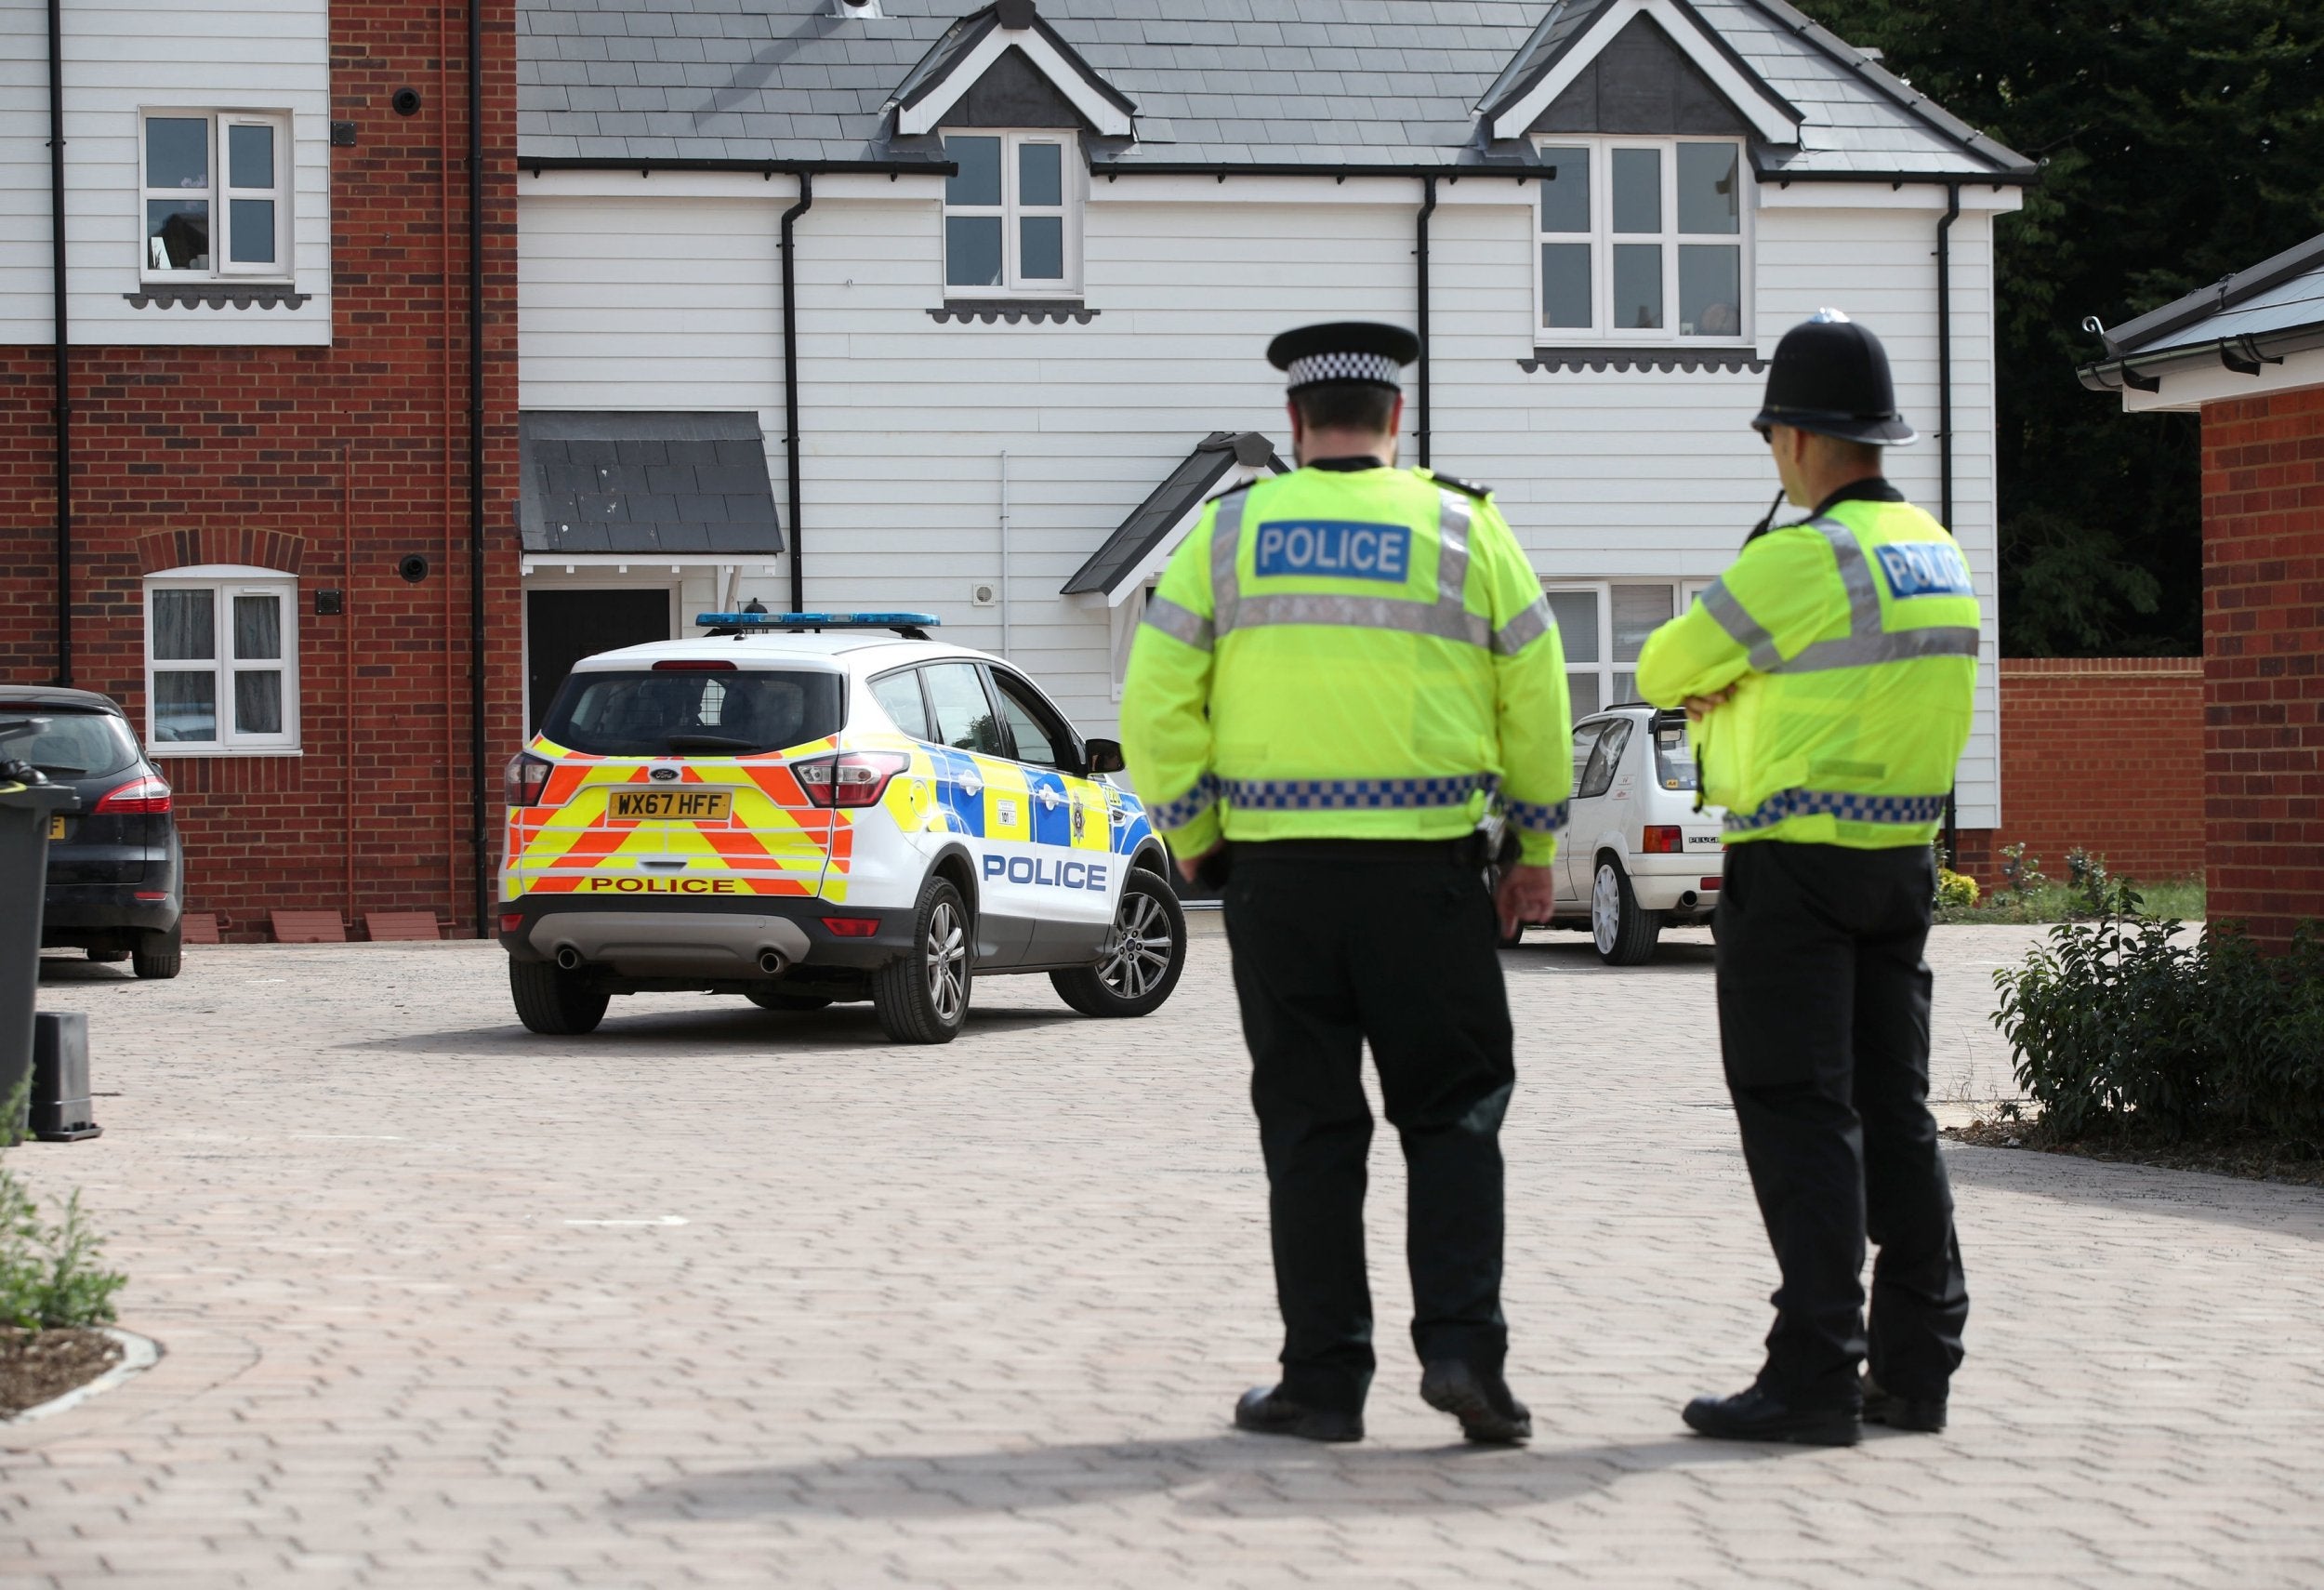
1824 1020
1335 945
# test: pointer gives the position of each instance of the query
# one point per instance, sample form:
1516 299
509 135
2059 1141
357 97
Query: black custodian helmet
1830 376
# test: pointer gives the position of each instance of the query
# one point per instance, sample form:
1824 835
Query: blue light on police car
815 620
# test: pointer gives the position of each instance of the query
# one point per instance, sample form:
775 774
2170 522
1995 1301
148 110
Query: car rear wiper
708 742
68 772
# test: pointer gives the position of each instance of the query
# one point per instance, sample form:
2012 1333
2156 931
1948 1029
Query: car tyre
779 1000
553 1001
1145 950
923 995
157 955
1624 933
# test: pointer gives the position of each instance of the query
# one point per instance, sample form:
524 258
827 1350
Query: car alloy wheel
1140 955
948 963
1606 907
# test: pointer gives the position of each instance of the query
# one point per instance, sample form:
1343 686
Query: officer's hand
1190 865
1527 895
1701 707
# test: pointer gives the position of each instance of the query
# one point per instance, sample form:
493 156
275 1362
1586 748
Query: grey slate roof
645 483
1169 502
1393 83
2285 294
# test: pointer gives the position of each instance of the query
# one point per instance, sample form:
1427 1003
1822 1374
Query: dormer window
1012 215
1641 240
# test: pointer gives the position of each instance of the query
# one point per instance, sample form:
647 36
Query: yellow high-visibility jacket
1851 642
1349 654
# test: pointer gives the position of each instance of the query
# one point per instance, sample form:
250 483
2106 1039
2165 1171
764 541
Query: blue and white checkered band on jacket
1373 369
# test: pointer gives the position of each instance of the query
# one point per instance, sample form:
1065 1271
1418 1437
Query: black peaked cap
1359 352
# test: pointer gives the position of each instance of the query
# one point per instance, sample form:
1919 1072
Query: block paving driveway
723 1296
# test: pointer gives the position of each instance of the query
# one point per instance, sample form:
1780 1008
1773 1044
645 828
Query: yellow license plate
56 828
672 805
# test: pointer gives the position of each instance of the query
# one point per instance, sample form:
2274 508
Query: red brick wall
332 463
2263 634
2104 754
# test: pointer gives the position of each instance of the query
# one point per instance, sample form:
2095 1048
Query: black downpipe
790 379
1428 209
1945 429
484 886
63 371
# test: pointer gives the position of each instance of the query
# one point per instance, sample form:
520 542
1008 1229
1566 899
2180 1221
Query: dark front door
563 627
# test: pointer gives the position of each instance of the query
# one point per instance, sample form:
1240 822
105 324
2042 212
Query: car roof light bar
911 626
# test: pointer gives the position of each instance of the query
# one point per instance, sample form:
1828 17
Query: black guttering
63 356
536 164
485 886
2246 355
787 248
1428 209
1945 435
2249 353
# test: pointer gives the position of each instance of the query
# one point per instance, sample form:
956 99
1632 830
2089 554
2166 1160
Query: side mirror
1103 756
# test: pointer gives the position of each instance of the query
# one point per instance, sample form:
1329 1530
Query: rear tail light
511 920
853 778
852 927
147 794
526 777
1707 884
1663 840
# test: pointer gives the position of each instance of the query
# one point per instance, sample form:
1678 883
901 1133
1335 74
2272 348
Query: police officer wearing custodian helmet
1341 668
1830 672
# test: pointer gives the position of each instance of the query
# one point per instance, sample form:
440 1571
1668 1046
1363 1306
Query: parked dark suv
115 871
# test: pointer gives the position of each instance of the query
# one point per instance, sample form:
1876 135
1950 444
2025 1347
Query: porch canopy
685 486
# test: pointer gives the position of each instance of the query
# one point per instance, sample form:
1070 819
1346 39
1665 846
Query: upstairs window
216 195
1011 215
1642 240
221 660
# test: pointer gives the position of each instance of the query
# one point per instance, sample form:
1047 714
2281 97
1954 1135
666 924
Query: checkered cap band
1372 369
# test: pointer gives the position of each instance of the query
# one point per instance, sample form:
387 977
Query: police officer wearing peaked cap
1342 668
1830 674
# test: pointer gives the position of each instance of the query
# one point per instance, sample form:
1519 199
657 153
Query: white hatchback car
806 808
1638 854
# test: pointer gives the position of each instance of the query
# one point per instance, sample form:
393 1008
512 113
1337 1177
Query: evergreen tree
2182 141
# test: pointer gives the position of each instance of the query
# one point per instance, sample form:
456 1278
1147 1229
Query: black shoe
1884 1407
1754 1416
1267 1411
1487 1410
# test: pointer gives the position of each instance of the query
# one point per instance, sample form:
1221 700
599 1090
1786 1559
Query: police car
809 807
1637 854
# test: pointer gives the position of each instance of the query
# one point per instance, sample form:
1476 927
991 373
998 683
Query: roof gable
1641 83
959 68
1611 33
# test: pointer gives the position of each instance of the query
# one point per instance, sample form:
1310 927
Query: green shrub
1955 889
48 1274
2121 1023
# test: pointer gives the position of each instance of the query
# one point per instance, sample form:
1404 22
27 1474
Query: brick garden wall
2104 754
2263 636
331 462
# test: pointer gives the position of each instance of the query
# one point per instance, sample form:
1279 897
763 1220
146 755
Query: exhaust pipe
771 963
568 960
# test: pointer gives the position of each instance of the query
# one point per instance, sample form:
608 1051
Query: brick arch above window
167 549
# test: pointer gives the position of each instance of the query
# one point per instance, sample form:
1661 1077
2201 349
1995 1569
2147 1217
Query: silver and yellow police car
806 808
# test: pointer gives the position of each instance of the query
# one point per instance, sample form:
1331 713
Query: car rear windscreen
1675 759
668 712
67 745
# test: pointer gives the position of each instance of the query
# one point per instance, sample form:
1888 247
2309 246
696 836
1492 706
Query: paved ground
721 1297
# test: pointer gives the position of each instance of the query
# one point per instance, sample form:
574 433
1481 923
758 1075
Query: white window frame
1683 592
1072 192
220 195
1602 240
224 582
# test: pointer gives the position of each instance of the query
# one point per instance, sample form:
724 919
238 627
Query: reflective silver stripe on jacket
1741 627
1903 811
1446 619
1867 643
1178 623
1521 631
